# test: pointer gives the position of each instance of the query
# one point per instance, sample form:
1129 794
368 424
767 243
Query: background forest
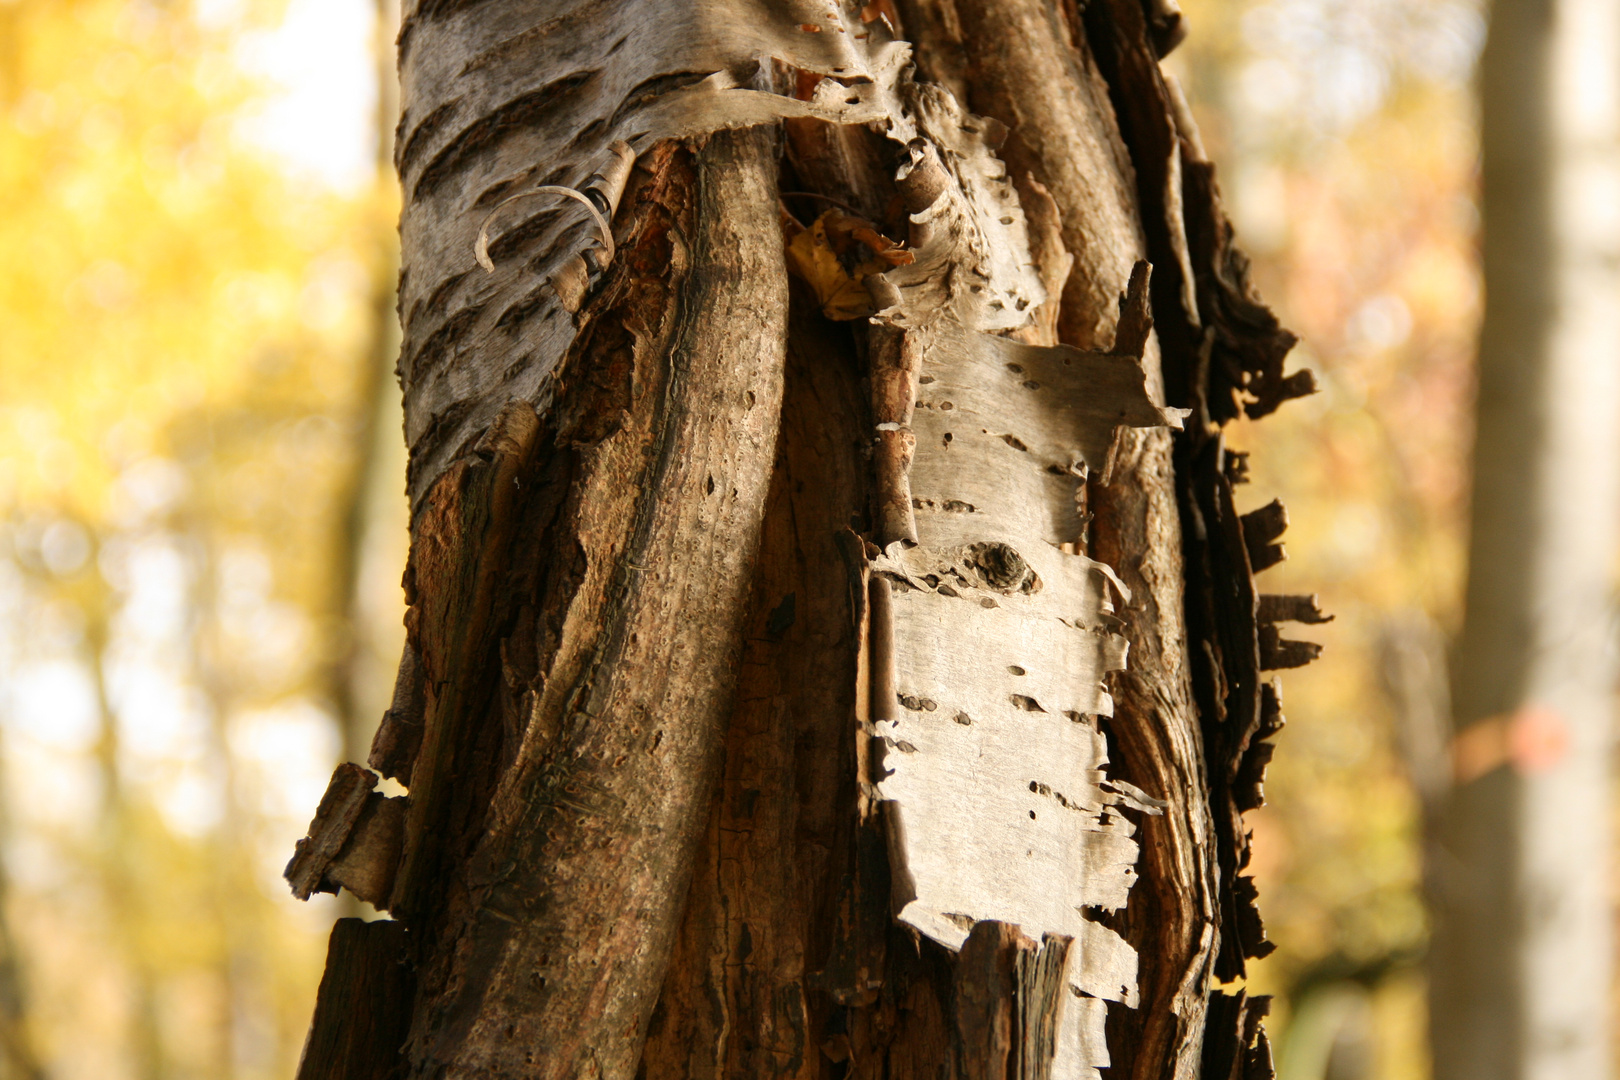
202 523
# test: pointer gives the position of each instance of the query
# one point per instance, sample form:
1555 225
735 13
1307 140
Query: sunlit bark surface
833 651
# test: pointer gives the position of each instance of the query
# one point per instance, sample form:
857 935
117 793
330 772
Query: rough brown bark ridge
716 572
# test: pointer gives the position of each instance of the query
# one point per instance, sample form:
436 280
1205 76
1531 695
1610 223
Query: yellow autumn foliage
183 371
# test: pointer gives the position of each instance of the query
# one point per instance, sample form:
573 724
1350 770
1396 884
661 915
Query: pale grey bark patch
968 230
496 123
992 768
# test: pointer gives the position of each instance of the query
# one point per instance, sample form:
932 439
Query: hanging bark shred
891 599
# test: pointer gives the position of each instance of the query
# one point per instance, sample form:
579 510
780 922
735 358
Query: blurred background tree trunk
369 491
1521 963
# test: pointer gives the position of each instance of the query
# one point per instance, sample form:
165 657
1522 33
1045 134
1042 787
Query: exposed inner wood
826 685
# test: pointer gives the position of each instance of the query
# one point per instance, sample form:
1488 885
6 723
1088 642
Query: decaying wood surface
833 648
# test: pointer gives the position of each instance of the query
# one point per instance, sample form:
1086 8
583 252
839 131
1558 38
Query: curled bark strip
604 231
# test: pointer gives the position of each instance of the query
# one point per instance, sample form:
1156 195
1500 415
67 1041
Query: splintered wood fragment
335 818
367 863
987 998
1261 530
399 736
1050 1046
1250 927
1017 1012
1304 608
363 1007
1235 1043
1248 785
1278 652
1135 313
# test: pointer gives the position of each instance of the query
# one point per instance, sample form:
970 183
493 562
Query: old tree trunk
827 597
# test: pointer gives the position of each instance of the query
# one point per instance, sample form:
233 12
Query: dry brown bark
752 713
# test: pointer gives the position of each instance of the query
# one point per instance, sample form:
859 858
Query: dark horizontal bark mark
440 9
527 307
491 129
653 88
415 144
519 236
441 423
436 301
524 43
442 342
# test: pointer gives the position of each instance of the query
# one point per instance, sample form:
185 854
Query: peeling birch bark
798 687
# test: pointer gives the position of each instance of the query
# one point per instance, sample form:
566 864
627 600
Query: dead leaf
836 255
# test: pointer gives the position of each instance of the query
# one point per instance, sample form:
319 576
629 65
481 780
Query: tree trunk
1522 960
773 545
